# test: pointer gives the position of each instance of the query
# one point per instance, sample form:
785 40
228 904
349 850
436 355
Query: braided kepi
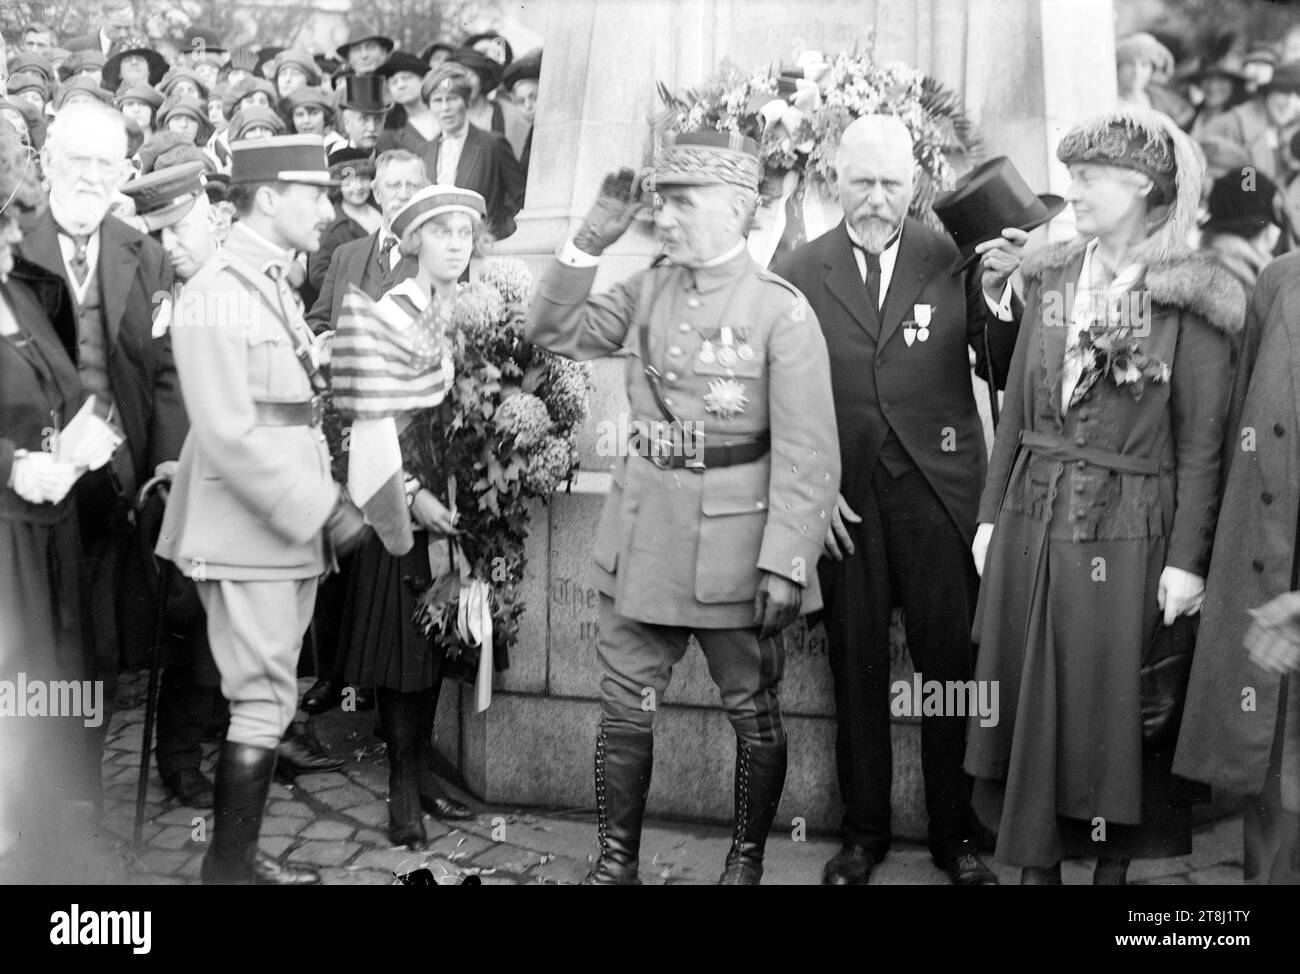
709 158
1147 142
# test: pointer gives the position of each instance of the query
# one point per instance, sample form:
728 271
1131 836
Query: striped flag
385 362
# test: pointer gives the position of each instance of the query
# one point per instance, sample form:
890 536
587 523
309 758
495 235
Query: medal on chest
918 329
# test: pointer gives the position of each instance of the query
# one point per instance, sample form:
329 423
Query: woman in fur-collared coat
1100 505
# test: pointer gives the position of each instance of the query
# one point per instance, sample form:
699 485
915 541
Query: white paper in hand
88 442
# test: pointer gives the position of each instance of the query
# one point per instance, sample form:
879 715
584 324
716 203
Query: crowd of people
163 453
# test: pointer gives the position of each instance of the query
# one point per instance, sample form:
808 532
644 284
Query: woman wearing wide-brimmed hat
1099 509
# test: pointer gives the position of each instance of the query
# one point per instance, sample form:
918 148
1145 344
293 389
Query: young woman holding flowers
1099 508
440 226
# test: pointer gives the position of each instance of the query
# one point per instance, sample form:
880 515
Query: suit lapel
469 153
40 245
117 260
914 266
844 280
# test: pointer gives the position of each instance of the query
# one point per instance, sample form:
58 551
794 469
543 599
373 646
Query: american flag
382 363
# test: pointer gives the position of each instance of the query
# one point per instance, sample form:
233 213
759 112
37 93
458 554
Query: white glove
1180 593
39 478
323 346
979 550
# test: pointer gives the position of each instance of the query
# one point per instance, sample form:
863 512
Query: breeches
256 629
637 660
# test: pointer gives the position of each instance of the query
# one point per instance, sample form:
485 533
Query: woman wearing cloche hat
1098 511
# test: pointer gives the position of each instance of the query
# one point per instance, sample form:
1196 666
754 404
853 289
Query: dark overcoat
1088 508
1232 705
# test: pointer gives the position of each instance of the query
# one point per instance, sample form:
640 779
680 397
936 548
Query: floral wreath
798 114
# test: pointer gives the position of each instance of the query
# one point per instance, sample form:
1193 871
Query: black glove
622 196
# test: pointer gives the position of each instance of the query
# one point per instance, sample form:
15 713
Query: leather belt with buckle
307 412
728 453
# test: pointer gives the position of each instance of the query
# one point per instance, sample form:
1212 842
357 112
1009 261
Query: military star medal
725 398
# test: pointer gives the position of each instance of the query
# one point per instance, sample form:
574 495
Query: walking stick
992 381
155 661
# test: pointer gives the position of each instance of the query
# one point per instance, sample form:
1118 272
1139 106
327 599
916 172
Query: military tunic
683 548
250 498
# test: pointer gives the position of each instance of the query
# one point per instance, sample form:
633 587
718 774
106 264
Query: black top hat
364 93
985 201
403 61
1234 209
112 74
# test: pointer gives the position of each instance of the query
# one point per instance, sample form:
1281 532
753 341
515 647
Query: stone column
1025 68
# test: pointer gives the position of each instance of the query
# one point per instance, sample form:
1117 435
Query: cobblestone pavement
337 821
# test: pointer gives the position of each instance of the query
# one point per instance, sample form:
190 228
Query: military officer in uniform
719 536
253 512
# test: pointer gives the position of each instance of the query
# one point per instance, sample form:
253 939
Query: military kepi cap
281 158
164 196
709 158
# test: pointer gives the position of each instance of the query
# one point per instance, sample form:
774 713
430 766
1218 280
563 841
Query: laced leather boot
760 778
624 759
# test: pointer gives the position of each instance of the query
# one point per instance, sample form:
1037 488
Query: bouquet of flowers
503 436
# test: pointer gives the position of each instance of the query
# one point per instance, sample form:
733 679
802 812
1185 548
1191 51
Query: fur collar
1188 280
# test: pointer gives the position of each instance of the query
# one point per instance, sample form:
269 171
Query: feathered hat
1147 142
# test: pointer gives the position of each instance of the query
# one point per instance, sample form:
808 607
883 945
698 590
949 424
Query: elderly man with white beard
96 278
898 325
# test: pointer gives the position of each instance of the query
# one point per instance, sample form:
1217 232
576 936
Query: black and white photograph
652 442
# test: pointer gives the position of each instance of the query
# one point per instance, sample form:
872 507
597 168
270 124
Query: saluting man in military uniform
253 509
720 537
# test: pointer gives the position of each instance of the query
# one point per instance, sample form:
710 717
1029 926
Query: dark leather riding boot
399 713
760 778
624 760
243 780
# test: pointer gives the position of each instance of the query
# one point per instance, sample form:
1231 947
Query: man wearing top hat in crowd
718 534
361 114
254 513
899 314
464 155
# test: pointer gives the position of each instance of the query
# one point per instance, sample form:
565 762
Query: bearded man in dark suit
898 324
100 281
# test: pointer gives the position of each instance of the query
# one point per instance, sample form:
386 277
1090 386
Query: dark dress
383 646
42 593
1089 507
